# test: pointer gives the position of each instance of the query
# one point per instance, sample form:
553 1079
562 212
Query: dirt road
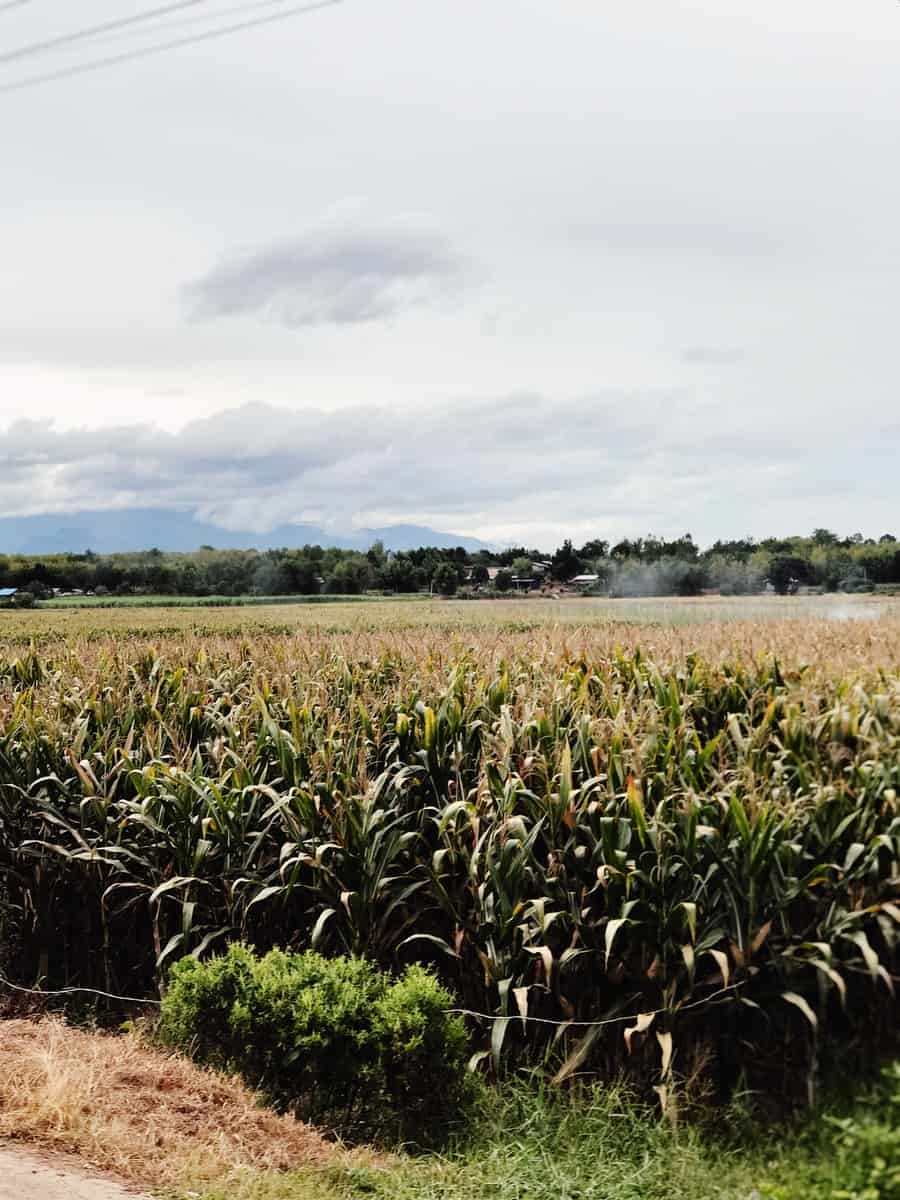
28 1176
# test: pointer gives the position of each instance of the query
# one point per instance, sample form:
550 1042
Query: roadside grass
182 1133
527 1145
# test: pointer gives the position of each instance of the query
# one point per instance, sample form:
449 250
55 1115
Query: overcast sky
519 269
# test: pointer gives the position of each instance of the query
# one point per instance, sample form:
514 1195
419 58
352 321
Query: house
585 581
7 593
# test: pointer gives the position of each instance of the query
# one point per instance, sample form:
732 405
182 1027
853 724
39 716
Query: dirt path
25 1175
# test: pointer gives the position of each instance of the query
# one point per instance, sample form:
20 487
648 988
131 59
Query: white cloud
514 468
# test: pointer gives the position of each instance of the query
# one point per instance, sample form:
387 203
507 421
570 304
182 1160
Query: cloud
516 467
246 458
720 356
334 275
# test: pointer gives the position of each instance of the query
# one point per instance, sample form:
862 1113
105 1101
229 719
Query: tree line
632 567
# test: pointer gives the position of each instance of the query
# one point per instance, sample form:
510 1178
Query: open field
668 609
823 636
135 615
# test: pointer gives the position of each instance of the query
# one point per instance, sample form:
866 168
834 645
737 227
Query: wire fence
463 1012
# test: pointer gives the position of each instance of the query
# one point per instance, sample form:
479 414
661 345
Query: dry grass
419 613
152 1119
851 638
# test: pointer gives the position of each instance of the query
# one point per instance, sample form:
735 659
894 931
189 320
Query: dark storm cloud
330 277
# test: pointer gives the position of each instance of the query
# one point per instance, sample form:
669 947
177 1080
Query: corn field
673 852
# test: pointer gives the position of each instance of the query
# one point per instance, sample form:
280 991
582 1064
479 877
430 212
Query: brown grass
799 630
151 1118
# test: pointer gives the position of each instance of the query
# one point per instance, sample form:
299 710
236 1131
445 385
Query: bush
332 1039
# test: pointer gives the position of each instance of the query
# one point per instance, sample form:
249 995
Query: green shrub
333 1039
423 1052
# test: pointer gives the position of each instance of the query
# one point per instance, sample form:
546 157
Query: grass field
494 610
169 601
139 615
677 817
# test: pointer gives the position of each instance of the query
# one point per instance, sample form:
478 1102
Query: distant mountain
109 531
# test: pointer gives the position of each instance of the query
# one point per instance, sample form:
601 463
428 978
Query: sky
518 269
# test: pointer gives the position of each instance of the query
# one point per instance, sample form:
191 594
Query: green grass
160 601
527 1146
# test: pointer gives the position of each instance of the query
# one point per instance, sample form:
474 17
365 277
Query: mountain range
108 531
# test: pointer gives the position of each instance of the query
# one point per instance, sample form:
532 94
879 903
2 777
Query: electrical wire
13 4
81 35
181 22
657 1012
112 60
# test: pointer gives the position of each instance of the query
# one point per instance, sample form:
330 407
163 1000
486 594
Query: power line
99 64
620 1020
81 35
181 22
13 4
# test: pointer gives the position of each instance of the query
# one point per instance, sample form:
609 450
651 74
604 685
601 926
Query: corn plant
659 852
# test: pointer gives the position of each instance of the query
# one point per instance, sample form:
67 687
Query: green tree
298 574
503 580
377 555
565 562
445 579
785 572
400 574
824 537
350 576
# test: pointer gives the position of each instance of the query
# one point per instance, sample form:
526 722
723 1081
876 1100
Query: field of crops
659 836
92 616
